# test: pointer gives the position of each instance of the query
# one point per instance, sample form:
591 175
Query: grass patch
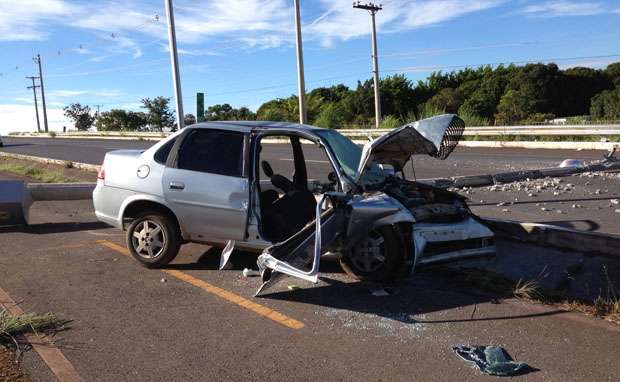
12 326
35 172
526 290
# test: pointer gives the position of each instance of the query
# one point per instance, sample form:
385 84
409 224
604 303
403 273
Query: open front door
299 256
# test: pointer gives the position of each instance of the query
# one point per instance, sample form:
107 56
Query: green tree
448 99
219 112
158 113
606 105
80 115
613 73
329 117
121 120
514 107
276 110
397 96
243 114
189 119
576 88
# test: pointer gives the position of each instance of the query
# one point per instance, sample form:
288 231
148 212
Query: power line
82 46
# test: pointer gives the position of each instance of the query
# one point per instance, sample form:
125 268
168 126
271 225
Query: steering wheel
279 181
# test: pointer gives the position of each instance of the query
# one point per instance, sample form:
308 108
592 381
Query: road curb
589 243
81 166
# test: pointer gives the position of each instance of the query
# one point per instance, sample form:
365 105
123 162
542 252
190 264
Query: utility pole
37 59
36 105
303 113
174 60
97 106
373 9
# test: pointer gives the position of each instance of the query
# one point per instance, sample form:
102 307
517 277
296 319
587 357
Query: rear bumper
107 205
114 222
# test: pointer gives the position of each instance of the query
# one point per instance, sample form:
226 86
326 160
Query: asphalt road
593 212
464 161
191 322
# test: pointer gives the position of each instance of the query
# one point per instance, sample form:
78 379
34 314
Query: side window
161 156
212 151
318 166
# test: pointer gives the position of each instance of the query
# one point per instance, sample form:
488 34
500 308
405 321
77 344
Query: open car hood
435 136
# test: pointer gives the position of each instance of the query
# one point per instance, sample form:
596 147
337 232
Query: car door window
212 151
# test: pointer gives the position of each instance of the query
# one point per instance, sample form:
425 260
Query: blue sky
113 53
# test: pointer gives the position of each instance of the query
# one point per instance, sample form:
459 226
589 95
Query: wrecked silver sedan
293 192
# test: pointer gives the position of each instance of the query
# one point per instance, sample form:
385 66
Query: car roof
248 126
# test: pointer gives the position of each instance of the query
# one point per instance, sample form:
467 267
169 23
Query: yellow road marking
220 292
49 353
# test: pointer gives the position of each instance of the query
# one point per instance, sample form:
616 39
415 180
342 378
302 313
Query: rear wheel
153 239
381 256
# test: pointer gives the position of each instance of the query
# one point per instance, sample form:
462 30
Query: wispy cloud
25 19
247 21
77 93
560 8
341 22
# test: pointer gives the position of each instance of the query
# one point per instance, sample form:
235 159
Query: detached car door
205 185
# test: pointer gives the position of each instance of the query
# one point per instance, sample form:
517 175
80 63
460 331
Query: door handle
177 186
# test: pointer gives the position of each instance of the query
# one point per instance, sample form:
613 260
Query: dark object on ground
492 360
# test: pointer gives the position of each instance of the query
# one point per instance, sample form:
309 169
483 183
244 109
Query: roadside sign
200 107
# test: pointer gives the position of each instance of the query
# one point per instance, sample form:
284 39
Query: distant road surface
464 161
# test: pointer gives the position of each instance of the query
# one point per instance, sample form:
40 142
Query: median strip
243 302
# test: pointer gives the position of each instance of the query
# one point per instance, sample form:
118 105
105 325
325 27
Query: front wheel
380 257
153 239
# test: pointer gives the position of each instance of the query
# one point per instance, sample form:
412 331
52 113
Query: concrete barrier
16 197
60 191
589 243
15 203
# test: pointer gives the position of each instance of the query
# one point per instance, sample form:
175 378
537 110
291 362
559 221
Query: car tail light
101 174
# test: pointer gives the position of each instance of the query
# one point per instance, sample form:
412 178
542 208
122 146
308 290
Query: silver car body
218 209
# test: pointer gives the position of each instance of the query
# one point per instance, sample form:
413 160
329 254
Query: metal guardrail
548 130
561 130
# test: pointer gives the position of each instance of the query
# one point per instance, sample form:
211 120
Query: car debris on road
492 360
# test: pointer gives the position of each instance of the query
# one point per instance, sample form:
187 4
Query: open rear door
299 256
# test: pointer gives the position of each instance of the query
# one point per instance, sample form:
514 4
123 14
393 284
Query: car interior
287 197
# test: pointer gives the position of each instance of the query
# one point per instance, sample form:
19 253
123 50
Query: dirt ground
10 371
71 174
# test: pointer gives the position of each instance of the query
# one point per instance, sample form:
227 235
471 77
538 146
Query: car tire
153 239
379 257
